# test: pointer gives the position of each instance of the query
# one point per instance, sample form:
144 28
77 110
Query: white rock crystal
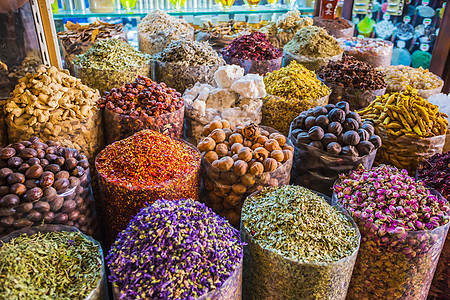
226 75
200 107
250 86
221 98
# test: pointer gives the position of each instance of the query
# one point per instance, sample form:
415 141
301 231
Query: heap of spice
239 160
44 183
229 28
158 29
399 220
254 46
333 24
435 173
375 52
352 73
143 104
190 53
52 265
79 38
399 77
289 22
287 229
143 168
314 42
176 250
296 89
406 113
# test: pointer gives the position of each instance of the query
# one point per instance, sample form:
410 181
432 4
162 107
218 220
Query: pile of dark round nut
144 97
44 183
336 130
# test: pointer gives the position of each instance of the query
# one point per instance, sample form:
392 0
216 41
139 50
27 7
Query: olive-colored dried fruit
303 138
34 172
336 115
334 148
343 105
310 122
5 172
368 127
363 135
365 147
328 138
9 201
322 121
15 178
316 144
349 151
350 124
350 138
316 133
375 140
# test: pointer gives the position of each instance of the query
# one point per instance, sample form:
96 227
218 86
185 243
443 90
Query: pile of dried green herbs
53 265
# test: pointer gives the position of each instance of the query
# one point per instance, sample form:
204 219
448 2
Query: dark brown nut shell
15 178
22 223
9 201
351 138
34 172
17 146
5 172
335 128
34 216
23 168
84 163
18 189
34 161
4 212
59 161
344 106
50 192
41 206
28 153
7 153
4 190
54 168
33 194
14 162
61 218
62 174
44 163
48 217
68 206
31 183
73 216
336 115
24 207
47 179
70 163
310 122
7 221
56 204
78 171
61 184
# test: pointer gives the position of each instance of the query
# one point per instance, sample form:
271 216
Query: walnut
281 139
271 145
225 163
239 188
240 167
215 125
251 131
221 149
257 168
260 154
287 155
206 144
218 135
245 154
278 155
256 145
262 139
206 131
236 138
270 164
225 124
228 132
211 156
236 147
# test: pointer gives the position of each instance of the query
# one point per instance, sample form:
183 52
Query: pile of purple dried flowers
174 250
389 202
254 46
435 173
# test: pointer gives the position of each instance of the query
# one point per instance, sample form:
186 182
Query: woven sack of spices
400 245
292 262
172 172
231 173
3 129
87 258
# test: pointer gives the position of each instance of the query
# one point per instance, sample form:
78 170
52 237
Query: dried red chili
254 46
144 97
144 167
435 172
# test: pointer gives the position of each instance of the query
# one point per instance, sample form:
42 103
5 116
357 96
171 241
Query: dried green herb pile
112 54
313 41
299 224
54 265
190 53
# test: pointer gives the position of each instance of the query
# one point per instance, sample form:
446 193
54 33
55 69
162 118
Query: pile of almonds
240 160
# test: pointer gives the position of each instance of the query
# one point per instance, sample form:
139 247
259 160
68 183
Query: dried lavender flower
174 250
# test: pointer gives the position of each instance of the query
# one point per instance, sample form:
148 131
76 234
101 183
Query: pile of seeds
174 250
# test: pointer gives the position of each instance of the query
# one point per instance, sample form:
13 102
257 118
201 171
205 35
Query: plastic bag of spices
311 63
296 271
265 161
100 292
407 152
397 257
376 52
44 182
173 172
357 98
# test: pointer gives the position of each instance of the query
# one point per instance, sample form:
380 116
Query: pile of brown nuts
44 182
238 161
